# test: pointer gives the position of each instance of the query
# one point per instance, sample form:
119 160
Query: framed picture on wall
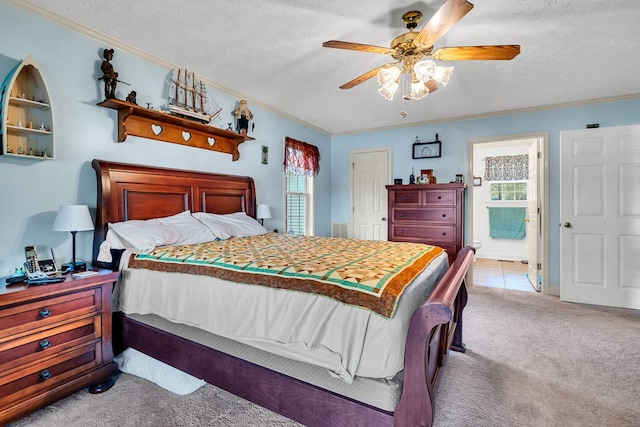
426 150
477 181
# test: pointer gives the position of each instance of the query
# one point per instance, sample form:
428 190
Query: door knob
384 218
567 225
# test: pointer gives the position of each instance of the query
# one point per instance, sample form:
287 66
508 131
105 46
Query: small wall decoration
265 155
425 150
477 181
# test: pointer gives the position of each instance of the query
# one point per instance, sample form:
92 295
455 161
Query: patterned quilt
369 274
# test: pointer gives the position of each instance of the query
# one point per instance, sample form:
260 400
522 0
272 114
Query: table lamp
73 218
263 212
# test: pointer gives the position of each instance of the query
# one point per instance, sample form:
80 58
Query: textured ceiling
271 53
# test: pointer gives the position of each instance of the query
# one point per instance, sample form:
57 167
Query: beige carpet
531 360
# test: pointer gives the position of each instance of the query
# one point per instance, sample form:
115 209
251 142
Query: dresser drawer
31 348
19 384
425 234
439 215
409 197
38 314
440 197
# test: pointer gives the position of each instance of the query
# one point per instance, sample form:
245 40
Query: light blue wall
31 191
455 137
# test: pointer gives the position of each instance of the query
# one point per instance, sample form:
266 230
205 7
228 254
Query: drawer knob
444 233
45 375
401 231
401 215
44 344
45 312
405 198
439 197
444 215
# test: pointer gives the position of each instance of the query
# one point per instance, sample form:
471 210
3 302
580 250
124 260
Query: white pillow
146 235
215 224
133 362
112 241
237 224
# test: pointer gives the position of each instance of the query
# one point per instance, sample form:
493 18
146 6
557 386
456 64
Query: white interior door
600 216
533 217
370 174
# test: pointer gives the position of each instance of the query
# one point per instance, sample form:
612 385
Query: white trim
543 189
495 114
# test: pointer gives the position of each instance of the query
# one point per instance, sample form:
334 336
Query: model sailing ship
188 98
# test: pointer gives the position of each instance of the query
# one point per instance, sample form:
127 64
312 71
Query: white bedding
344 339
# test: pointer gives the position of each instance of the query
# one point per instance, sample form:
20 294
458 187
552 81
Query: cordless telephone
32 259
35 273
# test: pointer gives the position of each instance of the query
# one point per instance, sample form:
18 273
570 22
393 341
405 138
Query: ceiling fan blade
363 78
357 46
446 17
506 51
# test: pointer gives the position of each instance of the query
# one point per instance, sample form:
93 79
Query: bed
132 192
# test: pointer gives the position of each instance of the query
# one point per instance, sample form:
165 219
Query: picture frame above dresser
426 150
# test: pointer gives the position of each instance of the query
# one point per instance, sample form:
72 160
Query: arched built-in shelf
147 123
26 118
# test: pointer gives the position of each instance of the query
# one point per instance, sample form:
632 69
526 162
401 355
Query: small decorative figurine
132 97
109 75
243 115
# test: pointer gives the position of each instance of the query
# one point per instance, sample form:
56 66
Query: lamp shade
263 211
73 218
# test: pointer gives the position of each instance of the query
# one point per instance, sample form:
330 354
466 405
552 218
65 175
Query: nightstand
55 339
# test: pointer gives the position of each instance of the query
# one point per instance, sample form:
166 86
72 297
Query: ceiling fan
410 49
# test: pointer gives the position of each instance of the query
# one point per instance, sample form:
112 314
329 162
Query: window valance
507 168
301 158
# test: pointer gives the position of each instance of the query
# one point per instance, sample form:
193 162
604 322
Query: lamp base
72 267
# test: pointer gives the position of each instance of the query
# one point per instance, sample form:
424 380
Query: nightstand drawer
441 215
23 383
33 316
48 343
426 234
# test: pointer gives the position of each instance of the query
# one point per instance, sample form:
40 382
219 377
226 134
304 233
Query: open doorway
482 196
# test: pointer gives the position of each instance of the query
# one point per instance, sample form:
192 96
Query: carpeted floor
531 360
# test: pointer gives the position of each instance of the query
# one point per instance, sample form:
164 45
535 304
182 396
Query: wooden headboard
127 192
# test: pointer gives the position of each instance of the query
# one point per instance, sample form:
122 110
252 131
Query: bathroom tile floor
501 274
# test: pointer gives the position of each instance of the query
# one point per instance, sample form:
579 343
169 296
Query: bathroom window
509 191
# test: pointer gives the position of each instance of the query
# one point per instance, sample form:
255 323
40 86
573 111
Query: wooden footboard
434 328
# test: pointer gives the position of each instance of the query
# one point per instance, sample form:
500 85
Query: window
301 164
298 202
509 191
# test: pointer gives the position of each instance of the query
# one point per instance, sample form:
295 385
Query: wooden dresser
427 213
55 339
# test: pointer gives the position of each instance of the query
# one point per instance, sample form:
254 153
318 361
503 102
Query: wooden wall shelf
146 123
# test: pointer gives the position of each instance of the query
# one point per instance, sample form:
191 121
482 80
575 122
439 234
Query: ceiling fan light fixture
428 70
443 74
418 90
389 80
